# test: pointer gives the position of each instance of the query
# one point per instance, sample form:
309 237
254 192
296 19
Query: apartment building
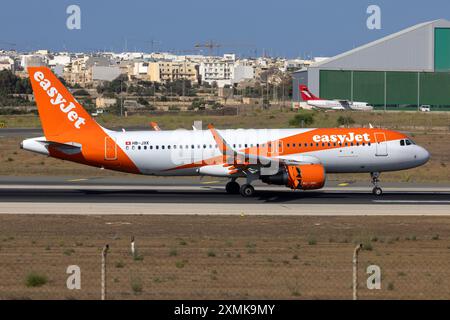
218 70
165 71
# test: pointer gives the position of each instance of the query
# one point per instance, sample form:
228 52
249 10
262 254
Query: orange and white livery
297 158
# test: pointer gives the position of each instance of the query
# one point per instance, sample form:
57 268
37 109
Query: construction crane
211 45
184 52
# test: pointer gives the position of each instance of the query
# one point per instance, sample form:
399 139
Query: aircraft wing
245 160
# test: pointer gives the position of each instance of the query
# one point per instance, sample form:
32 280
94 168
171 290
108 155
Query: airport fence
230 272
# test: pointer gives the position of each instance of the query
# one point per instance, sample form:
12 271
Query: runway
56 195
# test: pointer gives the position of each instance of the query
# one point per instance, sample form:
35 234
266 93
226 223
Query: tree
10 84
302 119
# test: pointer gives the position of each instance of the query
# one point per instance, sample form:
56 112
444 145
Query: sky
287 28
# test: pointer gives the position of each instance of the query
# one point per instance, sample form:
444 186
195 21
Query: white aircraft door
381 144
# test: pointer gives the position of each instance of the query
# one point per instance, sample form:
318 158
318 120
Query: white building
105 73
30 60
218 70
243 72
63 59
139 70
6 63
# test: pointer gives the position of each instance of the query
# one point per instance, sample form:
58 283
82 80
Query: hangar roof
411 49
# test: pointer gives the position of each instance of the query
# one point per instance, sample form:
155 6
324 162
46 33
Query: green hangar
410 67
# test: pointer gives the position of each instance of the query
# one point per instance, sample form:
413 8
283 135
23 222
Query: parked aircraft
318 103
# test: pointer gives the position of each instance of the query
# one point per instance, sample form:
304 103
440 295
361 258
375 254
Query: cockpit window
406 142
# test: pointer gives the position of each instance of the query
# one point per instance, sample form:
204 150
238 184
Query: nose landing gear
377 191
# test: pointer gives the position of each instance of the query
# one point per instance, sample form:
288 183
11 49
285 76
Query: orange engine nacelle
304 176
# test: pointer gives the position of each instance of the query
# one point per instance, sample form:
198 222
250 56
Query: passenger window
168 147
132 147
157 147
151 147
145 147
162 147
139 147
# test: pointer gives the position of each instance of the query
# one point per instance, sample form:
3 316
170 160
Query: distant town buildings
91 69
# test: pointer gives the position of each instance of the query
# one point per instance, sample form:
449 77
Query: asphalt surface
206 191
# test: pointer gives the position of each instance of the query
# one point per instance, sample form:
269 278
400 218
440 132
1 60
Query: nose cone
422 155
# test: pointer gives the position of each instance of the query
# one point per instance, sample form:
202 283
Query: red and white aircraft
318 103
296 158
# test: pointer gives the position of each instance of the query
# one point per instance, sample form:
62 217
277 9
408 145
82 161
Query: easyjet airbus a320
296 158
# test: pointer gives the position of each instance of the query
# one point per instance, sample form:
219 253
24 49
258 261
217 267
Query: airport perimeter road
121 196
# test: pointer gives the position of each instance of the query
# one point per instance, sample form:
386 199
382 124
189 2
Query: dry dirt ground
14 161
225 257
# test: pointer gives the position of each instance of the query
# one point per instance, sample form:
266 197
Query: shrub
345 121
211 253
136 285
35 280
302 119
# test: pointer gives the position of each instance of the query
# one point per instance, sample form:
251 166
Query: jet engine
304 176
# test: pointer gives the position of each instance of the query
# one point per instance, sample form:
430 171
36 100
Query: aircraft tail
60 113
306 94
70 132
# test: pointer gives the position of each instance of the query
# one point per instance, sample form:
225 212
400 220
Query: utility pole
121 98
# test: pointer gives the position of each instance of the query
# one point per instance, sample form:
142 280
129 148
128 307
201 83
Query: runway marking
76 180
344 184
411 201
210 182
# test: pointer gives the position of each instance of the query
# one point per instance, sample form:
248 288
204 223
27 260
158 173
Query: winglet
155 126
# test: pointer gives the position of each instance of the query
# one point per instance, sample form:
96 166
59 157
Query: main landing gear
246 190
377 191
232 187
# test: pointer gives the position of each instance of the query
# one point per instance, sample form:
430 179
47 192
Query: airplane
296 158
318 103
